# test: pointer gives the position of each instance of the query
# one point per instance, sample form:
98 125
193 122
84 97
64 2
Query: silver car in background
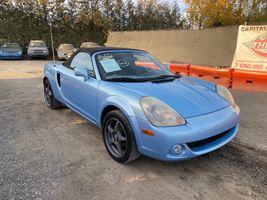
38 49
64 51
89 45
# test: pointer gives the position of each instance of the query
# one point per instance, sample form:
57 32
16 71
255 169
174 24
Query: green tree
108 13
76 21
130 17
255 10
207 13
119 18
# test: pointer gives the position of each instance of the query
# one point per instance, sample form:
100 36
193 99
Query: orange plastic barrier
222 76
182 69
249 81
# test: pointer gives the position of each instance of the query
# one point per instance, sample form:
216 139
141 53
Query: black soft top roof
98 49
93 50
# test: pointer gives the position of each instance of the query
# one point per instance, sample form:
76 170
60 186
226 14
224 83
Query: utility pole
52 42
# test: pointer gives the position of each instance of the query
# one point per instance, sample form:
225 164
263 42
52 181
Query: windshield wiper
157 79
163 78
126 79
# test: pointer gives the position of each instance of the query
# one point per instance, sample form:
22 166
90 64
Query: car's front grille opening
200 143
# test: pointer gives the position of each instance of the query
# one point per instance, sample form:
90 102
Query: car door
80 94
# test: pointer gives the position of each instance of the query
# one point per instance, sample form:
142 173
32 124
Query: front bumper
201 135
10 56
38 54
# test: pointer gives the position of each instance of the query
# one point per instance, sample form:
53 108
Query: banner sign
251 48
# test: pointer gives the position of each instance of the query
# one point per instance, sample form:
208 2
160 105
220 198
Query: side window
82 59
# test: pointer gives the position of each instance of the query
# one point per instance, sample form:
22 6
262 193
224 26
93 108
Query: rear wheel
119 138
50 100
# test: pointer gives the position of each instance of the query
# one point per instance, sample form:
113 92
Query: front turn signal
147 132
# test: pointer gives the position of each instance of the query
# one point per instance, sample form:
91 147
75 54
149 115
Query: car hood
11 50
187 97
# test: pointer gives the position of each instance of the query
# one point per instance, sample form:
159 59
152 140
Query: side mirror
81 71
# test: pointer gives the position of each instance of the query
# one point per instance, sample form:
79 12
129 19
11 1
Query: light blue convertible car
142 107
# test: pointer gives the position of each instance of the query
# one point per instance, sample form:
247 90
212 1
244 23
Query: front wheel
50 100
119 138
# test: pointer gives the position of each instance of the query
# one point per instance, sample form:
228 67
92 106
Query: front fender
126 109
117 101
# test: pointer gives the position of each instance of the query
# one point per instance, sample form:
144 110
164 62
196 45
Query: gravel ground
55 154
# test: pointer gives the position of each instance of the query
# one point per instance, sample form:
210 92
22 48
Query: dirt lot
55 154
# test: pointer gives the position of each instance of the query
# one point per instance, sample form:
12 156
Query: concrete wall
214 46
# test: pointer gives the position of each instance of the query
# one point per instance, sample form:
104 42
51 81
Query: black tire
50 100
130 153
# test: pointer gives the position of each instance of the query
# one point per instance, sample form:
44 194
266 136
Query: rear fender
50 72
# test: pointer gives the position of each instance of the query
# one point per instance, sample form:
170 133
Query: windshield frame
99 75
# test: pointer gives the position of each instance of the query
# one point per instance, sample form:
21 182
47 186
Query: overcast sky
181 5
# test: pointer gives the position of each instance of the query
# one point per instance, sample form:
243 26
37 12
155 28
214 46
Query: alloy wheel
115 137
48 93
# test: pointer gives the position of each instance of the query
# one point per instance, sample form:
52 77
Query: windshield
10 46
135 65
37 44
66 46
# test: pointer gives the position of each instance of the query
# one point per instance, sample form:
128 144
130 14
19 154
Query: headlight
226 94
159 113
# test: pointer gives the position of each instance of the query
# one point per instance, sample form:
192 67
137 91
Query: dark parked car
10 51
